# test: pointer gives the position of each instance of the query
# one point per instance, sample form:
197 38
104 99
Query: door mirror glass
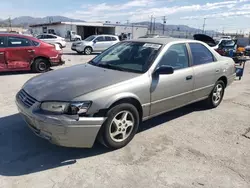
164 70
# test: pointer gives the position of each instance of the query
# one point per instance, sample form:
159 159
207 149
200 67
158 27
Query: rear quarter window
35 43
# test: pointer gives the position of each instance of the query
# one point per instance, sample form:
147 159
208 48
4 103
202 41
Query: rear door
19 53
3 64
205 68
100 44
109 41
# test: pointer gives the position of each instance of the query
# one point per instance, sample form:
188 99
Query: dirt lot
189 147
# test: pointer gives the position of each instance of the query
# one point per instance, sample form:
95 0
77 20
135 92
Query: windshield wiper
109 66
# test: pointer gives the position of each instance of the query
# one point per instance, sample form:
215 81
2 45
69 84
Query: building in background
85 29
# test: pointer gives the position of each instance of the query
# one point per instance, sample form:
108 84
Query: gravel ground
189 147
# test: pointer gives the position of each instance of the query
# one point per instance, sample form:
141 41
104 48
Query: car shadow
21 152
75 53
15 73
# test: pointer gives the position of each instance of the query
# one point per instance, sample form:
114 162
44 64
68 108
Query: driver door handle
217 70
189 77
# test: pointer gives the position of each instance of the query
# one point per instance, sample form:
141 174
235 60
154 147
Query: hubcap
88 51
42 66
217 93
121 126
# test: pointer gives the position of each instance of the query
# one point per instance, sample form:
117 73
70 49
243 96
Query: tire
123 129
216 95
87 50
40 65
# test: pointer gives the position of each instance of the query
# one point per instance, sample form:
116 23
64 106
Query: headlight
71 108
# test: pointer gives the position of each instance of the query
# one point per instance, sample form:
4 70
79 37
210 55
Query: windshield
128 56
90 38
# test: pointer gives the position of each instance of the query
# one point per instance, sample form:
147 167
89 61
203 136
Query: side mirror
94 41
164 70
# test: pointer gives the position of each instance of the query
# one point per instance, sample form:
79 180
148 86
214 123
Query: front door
205 70
173 90
99 44
19 53
3 65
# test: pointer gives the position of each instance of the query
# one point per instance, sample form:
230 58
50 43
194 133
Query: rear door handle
189 77
217 71
1 53
31 50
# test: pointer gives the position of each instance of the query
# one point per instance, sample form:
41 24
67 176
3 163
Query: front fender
121 96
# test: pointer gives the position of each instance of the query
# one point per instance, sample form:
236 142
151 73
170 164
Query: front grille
26 99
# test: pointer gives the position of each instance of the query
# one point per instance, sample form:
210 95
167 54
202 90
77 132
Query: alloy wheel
217 93
121 126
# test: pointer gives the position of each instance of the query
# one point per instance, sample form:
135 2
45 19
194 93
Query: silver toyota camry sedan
107 98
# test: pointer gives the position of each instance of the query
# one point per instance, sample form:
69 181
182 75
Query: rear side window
50 37
113 39
107 38
2 42
35 43
200 54
18 42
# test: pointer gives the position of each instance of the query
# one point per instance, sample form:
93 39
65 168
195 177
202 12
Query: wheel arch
224 79
123 98
40 57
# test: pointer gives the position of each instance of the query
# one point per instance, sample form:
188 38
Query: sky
227 15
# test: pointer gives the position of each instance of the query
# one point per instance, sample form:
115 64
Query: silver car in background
132 81
52 39
94 43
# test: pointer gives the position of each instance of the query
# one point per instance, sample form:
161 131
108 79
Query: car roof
104 35
162 40
19 35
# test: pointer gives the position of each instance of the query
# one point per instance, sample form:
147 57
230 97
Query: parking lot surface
189 147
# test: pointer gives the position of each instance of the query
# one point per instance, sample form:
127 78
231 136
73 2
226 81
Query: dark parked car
20 52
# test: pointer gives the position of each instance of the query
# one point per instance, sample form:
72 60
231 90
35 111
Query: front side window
50 37
39 36
176 56
200 54
128 56
18 42
99 39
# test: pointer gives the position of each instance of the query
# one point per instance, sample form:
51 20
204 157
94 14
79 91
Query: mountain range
25 21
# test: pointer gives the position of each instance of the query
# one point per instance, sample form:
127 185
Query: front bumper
61 130
77 48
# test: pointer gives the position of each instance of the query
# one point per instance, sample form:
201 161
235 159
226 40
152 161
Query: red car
20 52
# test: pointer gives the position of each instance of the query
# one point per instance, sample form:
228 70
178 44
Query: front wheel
216 95
120 127
88 50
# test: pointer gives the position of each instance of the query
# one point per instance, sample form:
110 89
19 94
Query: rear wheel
40 65
88 50
120 127
216 95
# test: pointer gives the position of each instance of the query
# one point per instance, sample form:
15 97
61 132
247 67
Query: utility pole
10 24
127 22
151 20
164 22
132 30
154 26
204 24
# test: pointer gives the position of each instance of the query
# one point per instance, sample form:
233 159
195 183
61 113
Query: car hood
68 83
83 42
204 38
